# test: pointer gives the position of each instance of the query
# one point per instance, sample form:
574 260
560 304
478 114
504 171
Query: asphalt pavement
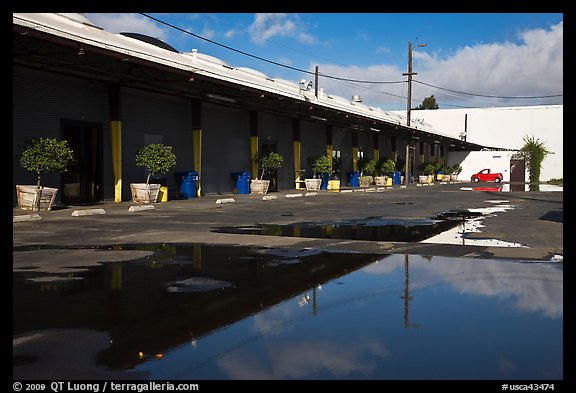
533 220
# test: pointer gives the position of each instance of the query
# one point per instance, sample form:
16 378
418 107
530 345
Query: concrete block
87 212
140 208
225 200
26 217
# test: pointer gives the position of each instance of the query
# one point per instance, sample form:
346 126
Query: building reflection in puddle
329 316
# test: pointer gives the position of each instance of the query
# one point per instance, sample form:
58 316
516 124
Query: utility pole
409 104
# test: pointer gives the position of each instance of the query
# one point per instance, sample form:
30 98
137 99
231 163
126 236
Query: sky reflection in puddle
320 316
404 317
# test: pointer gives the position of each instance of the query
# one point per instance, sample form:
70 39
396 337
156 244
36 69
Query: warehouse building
108 94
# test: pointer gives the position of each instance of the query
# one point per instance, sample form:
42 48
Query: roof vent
150 40
356 99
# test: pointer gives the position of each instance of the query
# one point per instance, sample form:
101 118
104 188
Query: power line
484 95
226 46
336 77
263 59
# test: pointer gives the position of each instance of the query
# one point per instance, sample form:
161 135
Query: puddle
329 316
447 227
457 235
372 228
507 187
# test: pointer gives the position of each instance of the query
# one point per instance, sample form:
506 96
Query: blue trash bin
186 184
352 178
396 177
324 183
241 182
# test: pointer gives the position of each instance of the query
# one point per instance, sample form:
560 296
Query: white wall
474 161
506 128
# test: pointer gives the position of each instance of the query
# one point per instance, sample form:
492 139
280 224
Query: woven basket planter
259 186
144 193
34 198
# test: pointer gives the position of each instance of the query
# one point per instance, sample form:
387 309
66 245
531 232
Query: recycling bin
186 184
352 178
396 177
324 184
241 182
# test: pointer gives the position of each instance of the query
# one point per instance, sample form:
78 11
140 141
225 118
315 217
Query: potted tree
42 155
429 170
157 158
367 171
444 170
379 178
455 171
267 164
319 165
386 168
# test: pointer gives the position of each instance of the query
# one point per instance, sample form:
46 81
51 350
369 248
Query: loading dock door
517 175
82 184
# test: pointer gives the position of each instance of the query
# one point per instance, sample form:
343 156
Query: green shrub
320 164
156 158
388 166
269 163
43 155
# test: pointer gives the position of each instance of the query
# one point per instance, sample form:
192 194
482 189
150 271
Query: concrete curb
26 217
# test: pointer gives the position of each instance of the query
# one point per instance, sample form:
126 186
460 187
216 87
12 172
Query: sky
466 60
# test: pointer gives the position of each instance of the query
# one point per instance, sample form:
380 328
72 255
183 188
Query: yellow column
355 159
253 154
197 258
197 147
329 154
296 231
116 278
297 166
116 140
376 154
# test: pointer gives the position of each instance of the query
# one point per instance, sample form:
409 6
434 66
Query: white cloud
532 67
301 360
534 288
133 23
207 32
267 26
372 94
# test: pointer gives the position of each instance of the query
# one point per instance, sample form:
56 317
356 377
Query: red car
486 175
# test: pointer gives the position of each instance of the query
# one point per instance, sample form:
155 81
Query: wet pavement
410 276
533 219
